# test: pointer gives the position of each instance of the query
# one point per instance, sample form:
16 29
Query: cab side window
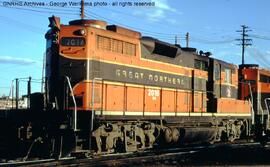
228 75
201 65
216 72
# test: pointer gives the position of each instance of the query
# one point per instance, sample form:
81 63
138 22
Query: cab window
216 72
228 75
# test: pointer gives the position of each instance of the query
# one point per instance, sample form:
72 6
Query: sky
212 26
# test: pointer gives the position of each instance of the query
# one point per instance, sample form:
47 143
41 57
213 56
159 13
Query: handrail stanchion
267 107
251 99
75 104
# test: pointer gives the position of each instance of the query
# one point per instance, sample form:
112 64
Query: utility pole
82 9
245 41
43 73
17 94
29 92
187 39
175 40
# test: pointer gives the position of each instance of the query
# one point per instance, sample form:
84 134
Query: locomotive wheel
168 135
175 135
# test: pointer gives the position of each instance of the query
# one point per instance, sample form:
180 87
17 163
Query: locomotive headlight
82 32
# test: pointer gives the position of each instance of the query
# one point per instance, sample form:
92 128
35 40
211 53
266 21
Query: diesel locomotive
109 89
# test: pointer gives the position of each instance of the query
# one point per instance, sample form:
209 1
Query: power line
146 32
204 41
88 13
51 8
244 40
261 29
20 24
221 31
163 36
159 34
139 19
40 11
260 37
259 57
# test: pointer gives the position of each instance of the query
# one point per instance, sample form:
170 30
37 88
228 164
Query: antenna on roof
82 9
187 39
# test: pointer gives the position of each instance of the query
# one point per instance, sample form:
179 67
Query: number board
72 41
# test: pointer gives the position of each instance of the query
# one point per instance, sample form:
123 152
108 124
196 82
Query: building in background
7 102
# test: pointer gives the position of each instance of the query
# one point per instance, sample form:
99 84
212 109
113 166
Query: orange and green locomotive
133 92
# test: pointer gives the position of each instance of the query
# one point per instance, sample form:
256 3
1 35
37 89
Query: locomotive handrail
75 104
251 99
262 113
267 107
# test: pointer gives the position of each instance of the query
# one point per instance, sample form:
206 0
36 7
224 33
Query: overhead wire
261 29
258 56
40 11
147 32
204 41
139 19
163 36
88 13
260 36
23 25
164 25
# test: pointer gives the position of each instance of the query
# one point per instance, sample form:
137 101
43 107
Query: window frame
216 72
228 75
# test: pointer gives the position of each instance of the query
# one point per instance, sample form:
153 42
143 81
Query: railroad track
176 156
